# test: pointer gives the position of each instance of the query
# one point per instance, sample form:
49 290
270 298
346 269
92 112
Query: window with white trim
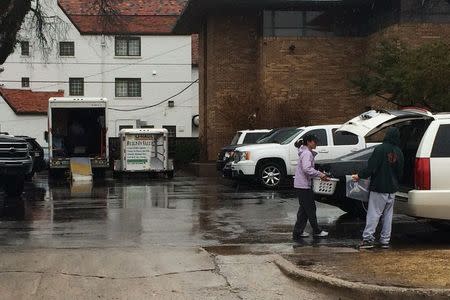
127 46
128 87
76 86
25 48
25 82
66 48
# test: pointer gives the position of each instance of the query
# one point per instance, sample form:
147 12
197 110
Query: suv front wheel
271 175
14 186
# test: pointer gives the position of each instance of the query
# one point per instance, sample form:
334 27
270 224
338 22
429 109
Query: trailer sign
138 152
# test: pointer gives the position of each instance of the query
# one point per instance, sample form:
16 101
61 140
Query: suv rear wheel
271 175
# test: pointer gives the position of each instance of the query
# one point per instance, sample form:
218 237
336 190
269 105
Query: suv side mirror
46 136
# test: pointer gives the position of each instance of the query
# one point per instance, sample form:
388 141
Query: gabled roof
24 102
143 17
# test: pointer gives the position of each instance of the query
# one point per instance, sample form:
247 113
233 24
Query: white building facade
145 73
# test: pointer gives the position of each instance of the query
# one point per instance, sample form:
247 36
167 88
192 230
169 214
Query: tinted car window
280 135
321 135
344 138
252 137
441 146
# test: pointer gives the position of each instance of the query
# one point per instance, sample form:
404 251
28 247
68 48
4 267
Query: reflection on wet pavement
185 211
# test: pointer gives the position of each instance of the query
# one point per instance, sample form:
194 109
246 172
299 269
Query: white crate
323 187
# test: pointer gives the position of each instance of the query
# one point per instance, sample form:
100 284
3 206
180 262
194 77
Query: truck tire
56 174
441 225
170 175
30 176
14 186
271 175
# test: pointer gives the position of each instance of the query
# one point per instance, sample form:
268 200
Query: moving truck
77 127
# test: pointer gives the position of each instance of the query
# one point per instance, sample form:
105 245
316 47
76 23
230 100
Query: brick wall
309 84
245 74
230 93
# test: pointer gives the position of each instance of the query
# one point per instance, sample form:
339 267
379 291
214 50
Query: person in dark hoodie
385 169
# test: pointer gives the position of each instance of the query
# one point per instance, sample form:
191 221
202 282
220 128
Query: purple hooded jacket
305 171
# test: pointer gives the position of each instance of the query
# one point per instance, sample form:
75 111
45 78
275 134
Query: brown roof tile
27 101
133 16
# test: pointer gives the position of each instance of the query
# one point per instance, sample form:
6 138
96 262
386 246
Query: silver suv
15 164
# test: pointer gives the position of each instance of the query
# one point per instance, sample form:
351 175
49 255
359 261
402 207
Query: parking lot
213 214
186 211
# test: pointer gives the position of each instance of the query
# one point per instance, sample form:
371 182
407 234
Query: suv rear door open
374 121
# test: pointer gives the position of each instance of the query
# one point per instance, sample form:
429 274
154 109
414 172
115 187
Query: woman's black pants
306 211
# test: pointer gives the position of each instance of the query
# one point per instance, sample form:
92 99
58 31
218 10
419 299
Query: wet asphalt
186 211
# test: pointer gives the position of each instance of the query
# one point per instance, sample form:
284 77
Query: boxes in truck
77 128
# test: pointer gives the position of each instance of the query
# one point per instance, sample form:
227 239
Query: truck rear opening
78 129
78 132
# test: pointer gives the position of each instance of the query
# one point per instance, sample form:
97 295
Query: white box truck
77 127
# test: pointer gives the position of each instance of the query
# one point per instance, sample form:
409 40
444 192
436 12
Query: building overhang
195 10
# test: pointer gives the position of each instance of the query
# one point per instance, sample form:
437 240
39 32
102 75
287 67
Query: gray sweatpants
380 205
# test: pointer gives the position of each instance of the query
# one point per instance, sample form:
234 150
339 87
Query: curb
356 289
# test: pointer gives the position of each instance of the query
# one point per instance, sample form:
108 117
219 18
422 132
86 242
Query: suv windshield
236 138
281 136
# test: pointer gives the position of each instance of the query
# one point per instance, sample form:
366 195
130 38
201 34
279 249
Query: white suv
425 142
276 157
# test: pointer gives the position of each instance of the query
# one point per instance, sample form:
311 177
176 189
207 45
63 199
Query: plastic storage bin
322 187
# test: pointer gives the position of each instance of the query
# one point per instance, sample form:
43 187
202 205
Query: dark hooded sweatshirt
385 166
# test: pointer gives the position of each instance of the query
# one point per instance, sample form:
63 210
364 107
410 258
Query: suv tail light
422 174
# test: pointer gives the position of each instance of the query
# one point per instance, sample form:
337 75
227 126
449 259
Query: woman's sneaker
304 235
385 246
321 234
366 245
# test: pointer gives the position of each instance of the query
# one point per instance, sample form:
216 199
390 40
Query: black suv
37 154
16 164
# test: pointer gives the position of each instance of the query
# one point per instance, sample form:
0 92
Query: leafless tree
45 28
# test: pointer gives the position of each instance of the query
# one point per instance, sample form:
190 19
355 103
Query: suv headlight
228 154
241 156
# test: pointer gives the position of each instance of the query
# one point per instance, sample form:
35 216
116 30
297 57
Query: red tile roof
132 16
28 102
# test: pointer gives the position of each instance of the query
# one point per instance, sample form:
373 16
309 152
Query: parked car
15 164
425 142
242 137
37 153
272 162
339 168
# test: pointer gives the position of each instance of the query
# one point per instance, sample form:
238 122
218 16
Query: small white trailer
144 150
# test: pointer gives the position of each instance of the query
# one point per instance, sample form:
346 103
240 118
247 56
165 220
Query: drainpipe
102 66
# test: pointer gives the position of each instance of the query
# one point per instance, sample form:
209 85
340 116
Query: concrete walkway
156 272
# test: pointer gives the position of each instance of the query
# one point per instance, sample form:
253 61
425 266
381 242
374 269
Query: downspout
102 66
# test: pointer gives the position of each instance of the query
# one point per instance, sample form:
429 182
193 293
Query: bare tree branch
45 29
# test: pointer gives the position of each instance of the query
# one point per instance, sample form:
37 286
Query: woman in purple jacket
302 182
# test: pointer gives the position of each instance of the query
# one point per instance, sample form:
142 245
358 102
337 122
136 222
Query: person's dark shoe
385 246
321 234
367 245
298 238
